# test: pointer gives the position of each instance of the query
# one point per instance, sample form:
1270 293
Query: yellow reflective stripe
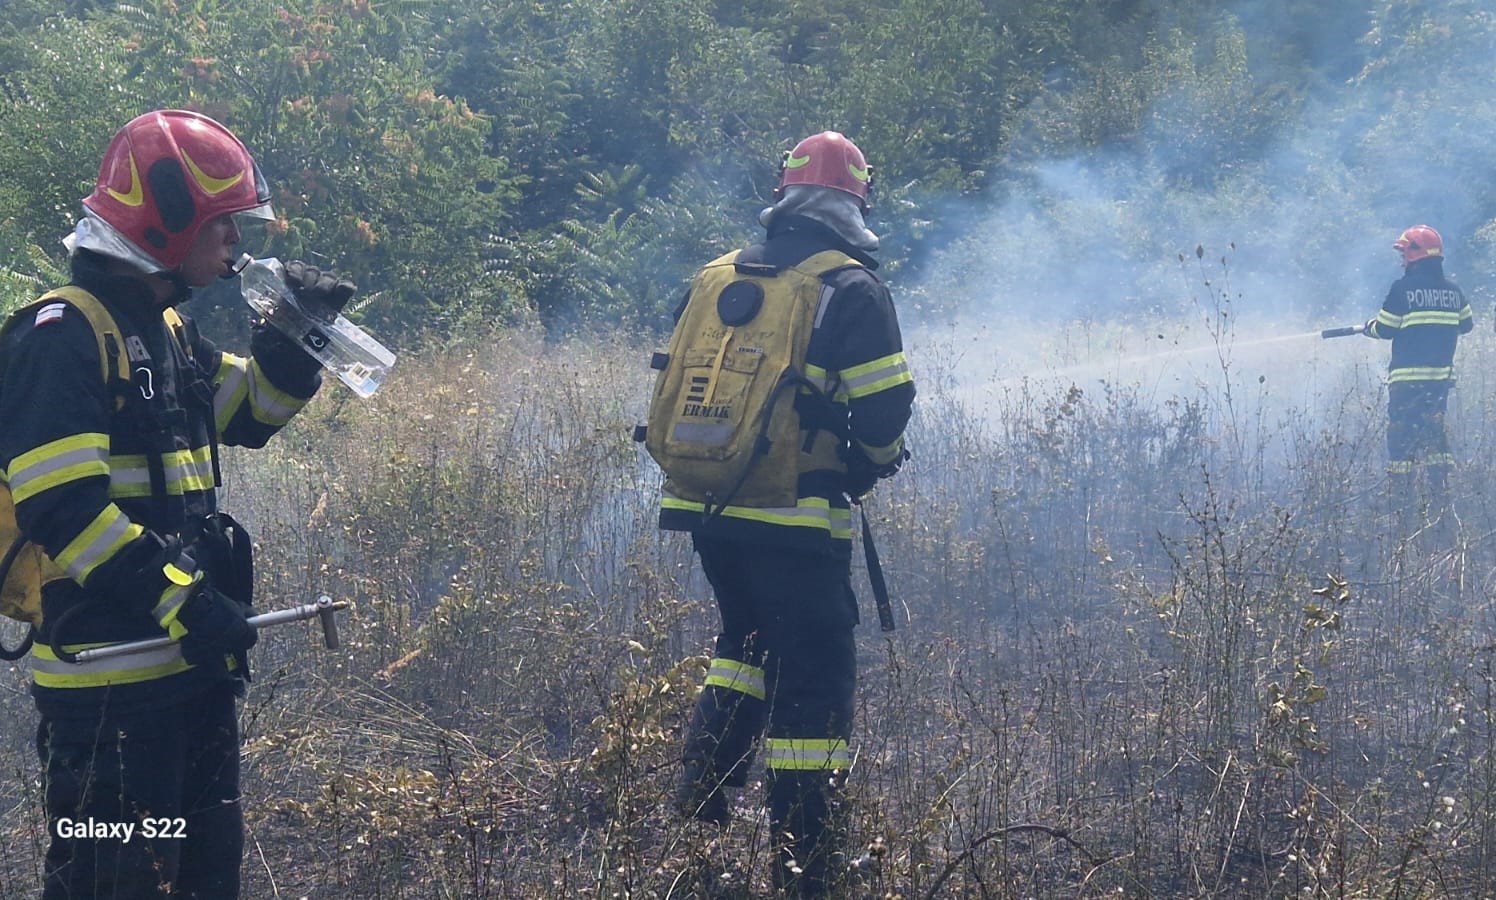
1399 466
736 676
172 599
49 671
269 403
879 375
1439 460
58 462
185 470
819 377
804 754
809 512
1422 373
110 530
1431 317
230 387
883 455
1391 321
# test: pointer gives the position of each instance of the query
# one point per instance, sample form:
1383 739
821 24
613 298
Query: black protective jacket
79 468
1423 316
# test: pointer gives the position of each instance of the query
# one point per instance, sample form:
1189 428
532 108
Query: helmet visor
262 195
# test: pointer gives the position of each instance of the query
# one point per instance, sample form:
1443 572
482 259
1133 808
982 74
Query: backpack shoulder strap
826 263
114 362
178 328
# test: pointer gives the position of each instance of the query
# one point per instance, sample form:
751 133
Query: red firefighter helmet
1418 242
169 172
828 159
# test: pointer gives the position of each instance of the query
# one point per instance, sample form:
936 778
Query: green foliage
374 172
475 159
63 93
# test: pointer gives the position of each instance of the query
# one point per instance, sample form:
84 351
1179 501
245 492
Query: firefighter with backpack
782 399
114 408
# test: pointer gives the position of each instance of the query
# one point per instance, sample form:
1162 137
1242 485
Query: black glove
318 290
215 626
863 473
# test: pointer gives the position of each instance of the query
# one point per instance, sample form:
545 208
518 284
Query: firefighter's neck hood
95 235
837 210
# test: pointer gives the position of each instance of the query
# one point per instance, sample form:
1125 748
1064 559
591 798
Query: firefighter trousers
146 804
1415 426
784 677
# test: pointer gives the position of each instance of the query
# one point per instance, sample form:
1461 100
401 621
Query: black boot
1439 514
806 822
720 747
700 794
1402 497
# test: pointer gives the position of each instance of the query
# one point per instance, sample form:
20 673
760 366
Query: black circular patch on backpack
739 302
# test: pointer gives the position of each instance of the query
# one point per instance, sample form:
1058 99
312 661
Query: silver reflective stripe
270 404
825 301
1433 317
79 560
233 384
818 377
815 512
83 456
146 659
736 676
807 753
186 470
171 601
859 385
710 435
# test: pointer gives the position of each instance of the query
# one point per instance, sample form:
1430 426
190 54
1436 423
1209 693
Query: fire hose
1343 331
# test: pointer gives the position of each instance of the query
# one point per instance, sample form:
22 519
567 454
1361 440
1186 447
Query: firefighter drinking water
114 408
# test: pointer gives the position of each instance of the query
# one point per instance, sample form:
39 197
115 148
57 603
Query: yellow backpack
26 568
722 422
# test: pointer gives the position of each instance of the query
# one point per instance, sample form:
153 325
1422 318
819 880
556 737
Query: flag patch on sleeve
52 312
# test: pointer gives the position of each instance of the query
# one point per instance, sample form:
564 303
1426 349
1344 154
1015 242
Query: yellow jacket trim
808 512
1422 373
239 379
1435 317
186 470
807 754
878 375
270 404
883 455
50 672
173 599
736 676
58 462
110 530
230 387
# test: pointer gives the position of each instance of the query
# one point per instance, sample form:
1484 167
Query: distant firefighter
782 400
1423 316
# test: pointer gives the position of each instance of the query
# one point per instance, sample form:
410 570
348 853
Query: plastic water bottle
342 347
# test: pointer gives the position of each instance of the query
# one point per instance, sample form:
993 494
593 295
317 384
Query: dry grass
1139 659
